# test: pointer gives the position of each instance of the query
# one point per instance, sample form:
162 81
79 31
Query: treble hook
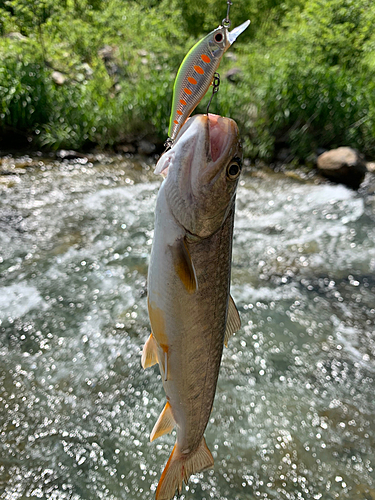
226 22
215 88
168 144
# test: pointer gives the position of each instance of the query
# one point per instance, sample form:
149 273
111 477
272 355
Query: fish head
202 171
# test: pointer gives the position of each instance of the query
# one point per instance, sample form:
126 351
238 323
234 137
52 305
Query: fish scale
206 317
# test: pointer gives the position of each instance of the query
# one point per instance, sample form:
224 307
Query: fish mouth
221 133
217 140
202 147
217 134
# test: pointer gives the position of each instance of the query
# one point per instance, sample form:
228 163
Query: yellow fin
184 266
149 353
179 468
164 424
233 321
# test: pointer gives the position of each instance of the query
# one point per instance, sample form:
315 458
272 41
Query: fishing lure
197 71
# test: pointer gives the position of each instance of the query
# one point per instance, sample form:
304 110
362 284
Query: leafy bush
312 84
23 94
102 100
325 97
306 77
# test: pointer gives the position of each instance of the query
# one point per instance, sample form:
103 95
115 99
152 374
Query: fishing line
226 22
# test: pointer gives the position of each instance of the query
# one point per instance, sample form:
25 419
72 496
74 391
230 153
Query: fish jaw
198 188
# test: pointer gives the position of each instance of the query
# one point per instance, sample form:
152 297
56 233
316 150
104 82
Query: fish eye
218 37
234 169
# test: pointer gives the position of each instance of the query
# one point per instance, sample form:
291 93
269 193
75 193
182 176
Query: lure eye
218 37
234 169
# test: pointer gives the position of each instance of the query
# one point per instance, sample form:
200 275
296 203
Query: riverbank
14 165
100 74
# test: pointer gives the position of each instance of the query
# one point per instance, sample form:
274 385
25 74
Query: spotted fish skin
196 74
190 308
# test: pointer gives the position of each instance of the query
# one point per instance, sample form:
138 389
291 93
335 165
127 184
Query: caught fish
191 312
196 73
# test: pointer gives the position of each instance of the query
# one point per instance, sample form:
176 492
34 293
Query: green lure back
196 73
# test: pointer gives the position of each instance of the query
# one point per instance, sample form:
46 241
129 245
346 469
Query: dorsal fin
164 424
233 321
183 265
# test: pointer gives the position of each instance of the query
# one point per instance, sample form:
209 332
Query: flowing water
294 411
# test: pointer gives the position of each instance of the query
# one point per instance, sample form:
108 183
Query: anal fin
183 265
164 424
149 353
233 321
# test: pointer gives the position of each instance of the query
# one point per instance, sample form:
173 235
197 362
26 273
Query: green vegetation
79 73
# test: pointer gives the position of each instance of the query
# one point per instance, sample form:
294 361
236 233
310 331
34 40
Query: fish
191 312
196 74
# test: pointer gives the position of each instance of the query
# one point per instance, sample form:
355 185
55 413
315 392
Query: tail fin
180 467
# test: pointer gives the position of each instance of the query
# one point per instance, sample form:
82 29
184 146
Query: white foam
122 195
18 299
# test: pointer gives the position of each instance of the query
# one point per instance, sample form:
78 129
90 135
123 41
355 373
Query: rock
229 55
125 148
284 155
107 53
69 154
371 166
87 69
58 78
233 75
145 147
14 35
343 165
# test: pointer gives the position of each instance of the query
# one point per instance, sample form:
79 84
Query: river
294 414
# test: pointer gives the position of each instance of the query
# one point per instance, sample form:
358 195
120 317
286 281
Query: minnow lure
196 74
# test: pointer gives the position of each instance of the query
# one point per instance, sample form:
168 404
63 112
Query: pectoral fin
184 266
233 321
149 353
164 424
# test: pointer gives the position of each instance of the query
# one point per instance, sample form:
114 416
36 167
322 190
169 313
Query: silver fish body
190 308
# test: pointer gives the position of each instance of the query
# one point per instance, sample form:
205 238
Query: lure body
196 73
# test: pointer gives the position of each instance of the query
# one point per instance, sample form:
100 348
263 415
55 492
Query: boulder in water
343 165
